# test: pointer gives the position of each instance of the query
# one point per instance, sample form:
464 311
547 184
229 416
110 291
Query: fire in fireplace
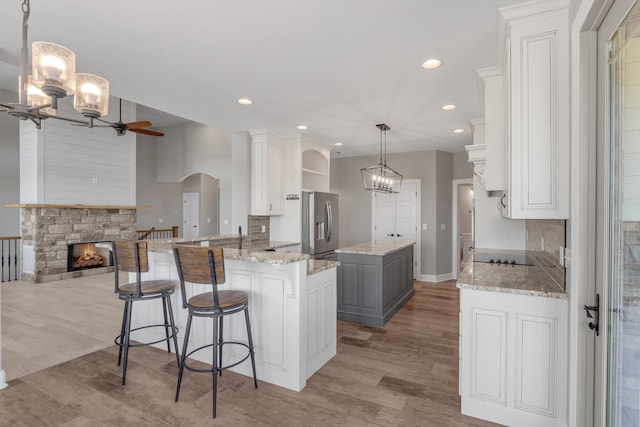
86 255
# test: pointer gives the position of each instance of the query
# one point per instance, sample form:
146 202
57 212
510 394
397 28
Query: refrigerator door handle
328 220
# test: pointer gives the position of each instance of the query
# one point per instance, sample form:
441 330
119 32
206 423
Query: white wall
66 164
164 198
241 177
9 169
492 231
191 148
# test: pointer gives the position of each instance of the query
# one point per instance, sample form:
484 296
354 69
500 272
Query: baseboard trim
435 278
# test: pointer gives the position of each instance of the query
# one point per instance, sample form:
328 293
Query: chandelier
54 76
380 177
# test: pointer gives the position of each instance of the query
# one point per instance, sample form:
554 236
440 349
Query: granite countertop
248 254
317 265
378 247
518 279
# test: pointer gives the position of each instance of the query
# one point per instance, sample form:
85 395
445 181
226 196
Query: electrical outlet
226 222
264 228
160 220
561 252
208 219
542 243
424 226
442 226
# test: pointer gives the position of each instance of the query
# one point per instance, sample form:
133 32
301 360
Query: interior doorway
191 214
462 234
396 216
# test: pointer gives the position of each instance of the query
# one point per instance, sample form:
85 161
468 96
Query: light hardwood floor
403 374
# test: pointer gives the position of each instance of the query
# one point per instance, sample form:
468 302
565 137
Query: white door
191 214
617 288
396 216
384 206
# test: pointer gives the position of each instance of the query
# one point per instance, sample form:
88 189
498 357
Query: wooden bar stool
205 265
131 257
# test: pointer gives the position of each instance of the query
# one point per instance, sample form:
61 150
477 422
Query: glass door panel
623 225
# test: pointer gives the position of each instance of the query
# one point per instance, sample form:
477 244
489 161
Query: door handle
390 235
398 235
595 324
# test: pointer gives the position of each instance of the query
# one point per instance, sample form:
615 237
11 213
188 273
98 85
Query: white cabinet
513 358
267 173
491 83
536 58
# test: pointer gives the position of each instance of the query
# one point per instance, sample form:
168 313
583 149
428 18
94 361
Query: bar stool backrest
130 256
203 265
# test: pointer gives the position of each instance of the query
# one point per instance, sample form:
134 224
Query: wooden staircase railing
158 233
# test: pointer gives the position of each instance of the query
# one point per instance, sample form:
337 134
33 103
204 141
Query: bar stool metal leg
253 359
220 342
173 329
166 323
122 329
127 332
184 354
215 364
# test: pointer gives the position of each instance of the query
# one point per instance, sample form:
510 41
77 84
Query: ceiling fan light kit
380 177
53 77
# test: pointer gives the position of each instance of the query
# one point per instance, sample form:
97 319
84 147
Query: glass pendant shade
92 95
381 179
54 69
36 97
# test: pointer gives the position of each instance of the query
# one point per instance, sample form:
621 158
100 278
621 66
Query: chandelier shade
380 178
36 97
54 69
90 99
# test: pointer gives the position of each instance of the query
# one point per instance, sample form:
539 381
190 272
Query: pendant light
53 77
380 177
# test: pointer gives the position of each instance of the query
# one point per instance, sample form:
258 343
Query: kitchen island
513 343
375 280
292 307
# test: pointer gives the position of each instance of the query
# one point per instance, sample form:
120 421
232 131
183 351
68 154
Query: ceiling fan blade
147 132
137 125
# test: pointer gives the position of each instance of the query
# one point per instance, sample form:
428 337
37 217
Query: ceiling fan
122 128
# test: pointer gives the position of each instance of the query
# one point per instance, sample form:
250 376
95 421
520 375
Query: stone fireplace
48 232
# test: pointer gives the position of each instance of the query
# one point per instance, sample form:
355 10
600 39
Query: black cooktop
504 259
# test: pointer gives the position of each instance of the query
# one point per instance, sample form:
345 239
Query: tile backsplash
545 237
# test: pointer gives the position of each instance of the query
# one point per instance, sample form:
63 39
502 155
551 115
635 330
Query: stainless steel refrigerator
319 224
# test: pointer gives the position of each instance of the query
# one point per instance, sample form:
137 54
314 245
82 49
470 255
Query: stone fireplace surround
48 229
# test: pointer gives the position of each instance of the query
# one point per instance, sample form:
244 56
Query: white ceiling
337 66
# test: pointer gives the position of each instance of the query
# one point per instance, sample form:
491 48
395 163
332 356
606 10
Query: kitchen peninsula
292 306
375 280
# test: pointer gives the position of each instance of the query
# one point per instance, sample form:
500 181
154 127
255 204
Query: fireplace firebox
82 256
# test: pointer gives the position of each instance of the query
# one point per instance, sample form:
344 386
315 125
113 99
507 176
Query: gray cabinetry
372 288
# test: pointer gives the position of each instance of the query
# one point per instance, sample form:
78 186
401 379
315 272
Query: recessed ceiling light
245 101
448 107
302 127
458 131
431 63
338 144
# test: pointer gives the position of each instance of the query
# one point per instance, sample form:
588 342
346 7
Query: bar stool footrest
118 339
222 368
